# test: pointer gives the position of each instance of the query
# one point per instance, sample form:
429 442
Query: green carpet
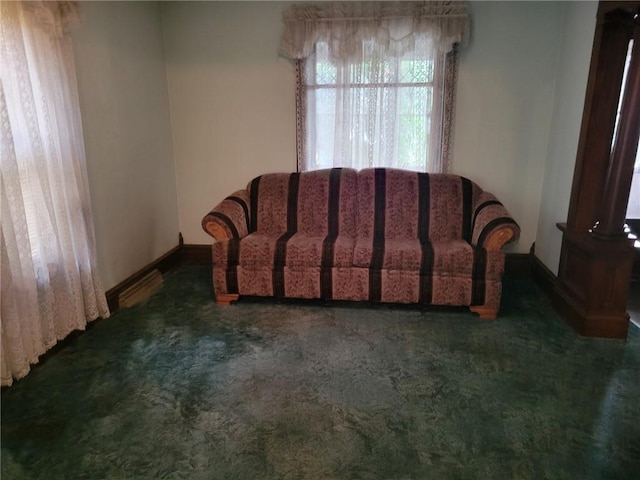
180 388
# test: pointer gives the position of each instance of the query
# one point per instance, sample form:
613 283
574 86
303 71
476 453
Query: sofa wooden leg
487 313
226 298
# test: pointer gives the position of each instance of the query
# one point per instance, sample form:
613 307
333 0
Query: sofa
376 235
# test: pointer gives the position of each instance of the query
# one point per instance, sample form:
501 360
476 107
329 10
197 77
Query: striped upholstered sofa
378 235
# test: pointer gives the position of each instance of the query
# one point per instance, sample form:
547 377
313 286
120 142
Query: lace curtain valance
54 17
395 25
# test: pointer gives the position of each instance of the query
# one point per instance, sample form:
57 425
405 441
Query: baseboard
170 260
517 264
197 254
544 277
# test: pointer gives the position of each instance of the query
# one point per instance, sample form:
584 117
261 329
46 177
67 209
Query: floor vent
141 290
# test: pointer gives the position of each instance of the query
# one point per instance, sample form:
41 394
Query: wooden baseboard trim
169 261
544 277
517 264
197 254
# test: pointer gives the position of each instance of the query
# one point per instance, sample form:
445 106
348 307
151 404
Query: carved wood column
597 257
611 219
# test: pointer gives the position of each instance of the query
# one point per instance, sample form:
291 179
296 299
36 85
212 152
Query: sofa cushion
304 251
257 250
399 204
254 250
390 254
317 203
452 258
326 202
269 197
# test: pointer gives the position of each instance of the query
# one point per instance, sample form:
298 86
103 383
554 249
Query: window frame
450 78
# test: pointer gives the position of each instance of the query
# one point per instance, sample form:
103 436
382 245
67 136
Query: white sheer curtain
50 286
377 111
373 80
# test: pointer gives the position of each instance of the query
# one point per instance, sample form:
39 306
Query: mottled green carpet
182 388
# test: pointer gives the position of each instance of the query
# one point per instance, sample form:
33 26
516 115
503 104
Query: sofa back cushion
400 204
327 202
316 203
269 195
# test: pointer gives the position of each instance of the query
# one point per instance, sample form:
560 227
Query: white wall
520 93
504 104
573 70
125 114
232 101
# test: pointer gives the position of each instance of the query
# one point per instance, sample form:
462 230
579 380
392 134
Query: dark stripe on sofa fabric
423 207
481 207
255 186
326 281
292 203
467 205
426 274
280 253
245 207
334 202
478 276
426 262
491 225
227 223
377 255
233 258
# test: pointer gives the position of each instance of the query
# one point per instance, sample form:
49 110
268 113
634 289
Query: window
375 83
381 111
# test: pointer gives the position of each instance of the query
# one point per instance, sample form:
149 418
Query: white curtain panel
50 285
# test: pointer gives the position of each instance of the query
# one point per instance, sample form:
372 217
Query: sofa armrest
230 218
492 226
